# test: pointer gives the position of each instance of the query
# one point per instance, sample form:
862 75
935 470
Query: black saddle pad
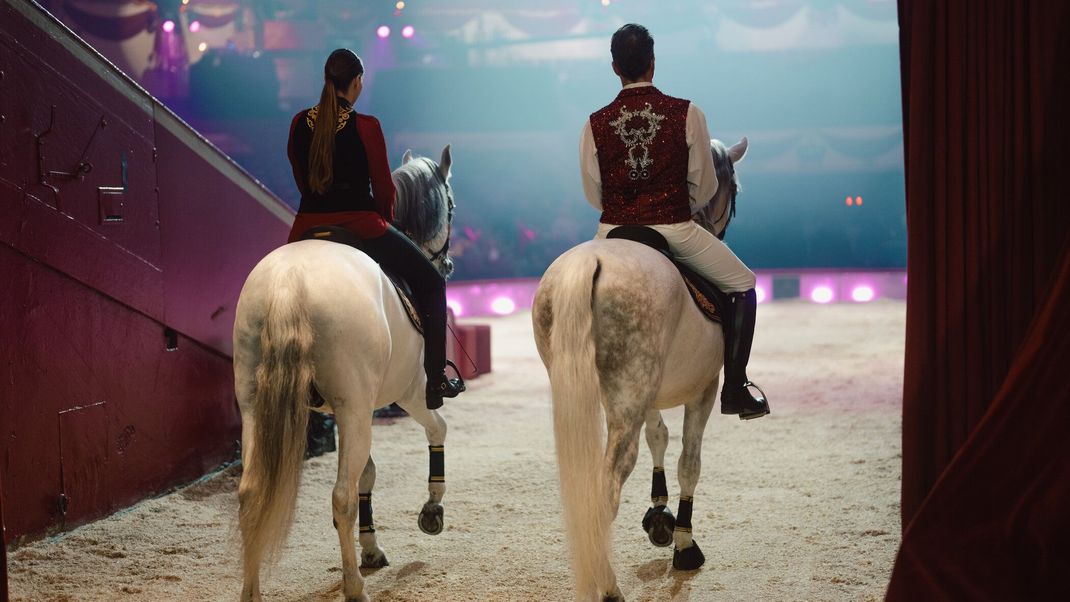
709 299
347 237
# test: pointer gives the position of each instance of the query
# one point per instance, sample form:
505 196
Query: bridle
440 255
730 206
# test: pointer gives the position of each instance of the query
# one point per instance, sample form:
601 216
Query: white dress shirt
701 174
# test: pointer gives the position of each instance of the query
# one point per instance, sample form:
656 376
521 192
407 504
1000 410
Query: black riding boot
438 384
736 397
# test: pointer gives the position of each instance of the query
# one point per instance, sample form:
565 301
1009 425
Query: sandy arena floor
799 505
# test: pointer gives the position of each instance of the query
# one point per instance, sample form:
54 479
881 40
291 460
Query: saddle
347 237
708 298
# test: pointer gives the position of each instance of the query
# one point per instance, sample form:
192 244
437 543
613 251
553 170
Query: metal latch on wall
109 198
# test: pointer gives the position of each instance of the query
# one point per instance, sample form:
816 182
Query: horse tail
272 470
578 424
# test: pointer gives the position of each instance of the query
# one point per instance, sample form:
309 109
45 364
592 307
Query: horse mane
422 200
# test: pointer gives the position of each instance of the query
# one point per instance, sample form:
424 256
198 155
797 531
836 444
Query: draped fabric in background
986 400
3 550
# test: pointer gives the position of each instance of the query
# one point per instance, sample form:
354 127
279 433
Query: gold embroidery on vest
343 118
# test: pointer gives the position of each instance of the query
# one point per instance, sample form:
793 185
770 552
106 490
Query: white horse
621 338
321 313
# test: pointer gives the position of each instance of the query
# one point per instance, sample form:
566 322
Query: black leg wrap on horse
691 557
658 522
658 489
683 515
364 513
437 470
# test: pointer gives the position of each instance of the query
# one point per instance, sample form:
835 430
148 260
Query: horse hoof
431 519
659 524
374 560
360 598
687 559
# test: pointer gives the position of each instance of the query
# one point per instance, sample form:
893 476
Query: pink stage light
169 26
821 294
759 293
455 305
503 306
408 31
862 294
383 31
195 27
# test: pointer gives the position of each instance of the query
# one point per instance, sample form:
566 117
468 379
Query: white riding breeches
703 252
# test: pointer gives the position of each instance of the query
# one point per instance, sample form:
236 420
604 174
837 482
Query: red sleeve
371 134
300 177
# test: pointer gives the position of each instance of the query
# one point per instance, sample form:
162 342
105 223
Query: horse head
424 207
722 207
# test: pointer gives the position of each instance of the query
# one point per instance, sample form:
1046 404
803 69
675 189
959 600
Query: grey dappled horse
622 339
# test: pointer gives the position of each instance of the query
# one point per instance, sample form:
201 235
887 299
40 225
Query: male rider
645 159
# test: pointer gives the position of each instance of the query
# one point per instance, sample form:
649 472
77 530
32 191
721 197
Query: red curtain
3 549
986 479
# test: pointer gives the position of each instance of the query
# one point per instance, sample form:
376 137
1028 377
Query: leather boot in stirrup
443 386
739 400
736 396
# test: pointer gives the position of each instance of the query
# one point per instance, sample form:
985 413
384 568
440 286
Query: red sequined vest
642 157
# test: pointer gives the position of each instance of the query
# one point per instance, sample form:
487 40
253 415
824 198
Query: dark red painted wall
213 237
157 234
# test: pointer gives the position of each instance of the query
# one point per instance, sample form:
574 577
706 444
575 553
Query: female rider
340 166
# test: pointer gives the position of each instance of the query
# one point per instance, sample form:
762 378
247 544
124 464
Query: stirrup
458 383
763 398
445 386
457 371
750 412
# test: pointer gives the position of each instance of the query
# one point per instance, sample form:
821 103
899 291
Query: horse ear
738 150
446 162
406 157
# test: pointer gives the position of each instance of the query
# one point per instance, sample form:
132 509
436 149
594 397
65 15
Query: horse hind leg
371 555
248 489
623 422
687 556
658 522
354 443
252 555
